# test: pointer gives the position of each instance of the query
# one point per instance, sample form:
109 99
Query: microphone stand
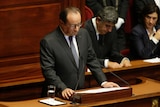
124 81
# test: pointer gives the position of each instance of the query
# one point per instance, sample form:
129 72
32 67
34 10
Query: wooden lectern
93 95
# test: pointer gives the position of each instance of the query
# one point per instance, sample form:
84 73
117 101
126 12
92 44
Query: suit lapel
65 46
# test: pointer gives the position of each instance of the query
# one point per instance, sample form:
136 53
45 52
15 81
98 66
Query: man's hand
126 63
157 34
114 65
110 85
67 93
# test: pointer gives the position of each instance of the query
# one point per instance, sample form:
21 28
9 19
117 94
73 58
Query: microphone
124 81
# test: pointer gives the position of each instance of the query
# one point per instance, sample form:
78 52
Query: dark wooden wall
23 23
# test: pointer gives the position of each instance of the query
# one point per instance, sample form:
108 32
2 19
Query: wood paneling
23 27
17 3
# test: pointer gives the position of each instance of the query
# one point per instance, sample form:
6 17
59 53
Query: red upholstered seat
125 52
129 21
88 13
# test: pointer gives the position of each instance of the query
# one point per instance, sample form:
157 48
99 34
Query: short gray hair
108 14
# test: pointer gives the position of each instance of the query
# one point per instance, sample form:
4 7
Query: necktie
74 51
101 39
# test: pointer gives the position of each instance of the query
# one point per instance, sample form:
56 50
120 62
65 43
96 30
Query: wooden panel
17 75
136 103
16 3
80 4
23 27
21 92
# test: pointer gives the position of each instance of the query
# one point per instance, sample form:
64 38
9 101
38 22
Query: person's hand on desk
114 65
109 85
125 63
67 93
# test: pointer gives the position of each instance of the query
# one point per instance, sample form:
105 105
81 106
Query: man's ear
61 23
98 18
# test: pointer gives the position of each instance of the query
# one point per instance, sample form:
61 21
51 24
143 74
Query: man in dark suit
121 7
138 6
104 38
57 61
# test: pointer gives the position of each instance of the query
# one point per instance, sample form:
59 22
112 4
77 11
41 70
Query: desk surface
148 88
39 78
138 68
135 65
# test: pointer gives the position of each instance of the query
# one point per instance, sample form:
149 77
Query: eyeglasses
72 26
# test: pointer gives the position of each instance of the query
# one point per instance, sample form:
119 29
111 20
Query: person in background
138 6
145 36
104 38
58 61
122 7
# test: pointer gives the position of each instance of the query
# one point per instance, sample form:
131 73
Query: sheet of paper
51 101
100 90
153 60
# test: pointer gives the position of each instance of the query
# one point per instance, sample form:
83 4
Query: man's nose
76 28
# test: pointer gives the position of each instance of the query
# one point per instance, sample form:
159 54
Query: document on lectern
101 90
52 102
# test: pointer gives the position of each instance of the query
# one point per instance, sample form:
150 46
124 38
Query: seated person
104 38
138 6
122 7
145 37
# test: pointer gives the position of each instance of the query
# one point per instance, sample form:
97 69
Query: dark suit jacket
109 48
138 6
58 65
97 5
141 46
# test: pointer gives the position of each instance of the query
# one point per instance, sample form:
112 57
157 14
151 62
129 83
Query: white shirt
151 37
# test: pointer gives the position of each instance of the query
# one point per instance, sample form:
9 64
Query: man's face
150 20
104 27
73 24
